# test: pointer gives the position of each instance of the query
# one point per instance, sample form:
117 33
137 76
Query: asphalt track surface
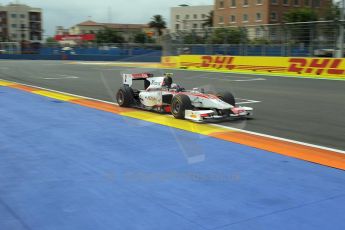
306 110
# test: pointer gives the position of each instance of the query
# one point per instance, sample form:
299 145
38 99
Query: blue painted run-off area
64 166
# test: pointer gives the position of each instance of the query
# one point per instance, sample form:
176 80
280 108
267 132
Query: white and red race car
162 95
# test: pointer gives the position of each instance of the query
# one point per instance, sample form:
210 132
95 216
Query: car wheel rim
120 98
176 107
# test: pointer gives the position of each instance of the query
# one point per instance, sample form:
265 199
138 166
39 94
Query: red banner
81 37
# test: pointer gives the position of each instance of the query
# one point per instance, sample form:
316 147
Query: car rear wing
128 78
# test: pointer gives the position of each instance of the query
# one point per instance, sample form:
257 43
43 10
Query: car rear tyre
227 97
125 96
179 104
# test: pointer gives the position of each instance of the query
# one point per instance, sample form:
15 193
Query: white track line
221 126
246 101
62 76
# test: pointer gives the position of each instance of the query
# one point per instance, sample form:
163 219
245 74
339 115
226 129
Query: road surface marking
61 77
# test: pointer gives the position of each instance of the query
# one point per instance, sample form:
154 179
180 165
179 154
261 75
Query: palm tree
209 20
158 23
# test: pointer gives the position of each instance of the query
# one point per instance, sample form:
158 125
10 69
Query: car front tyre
179 104
227 97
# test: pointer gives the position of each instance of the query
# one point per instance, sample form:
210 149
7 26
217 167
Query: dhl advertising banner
171 61
295 66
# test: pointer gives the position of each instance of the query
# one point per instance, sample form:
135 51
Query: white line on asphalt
62 76
247 102
222 126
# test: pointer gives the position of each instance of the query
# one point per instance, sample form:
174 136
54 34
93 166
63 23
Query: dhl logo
166 59
217 62
315 65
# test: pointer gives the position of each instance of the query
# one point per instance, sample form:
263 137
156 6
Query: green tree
228 36
333 11
192 38
208 22
143 38
157 22
50 40
140 38
109 36
301 32
300 15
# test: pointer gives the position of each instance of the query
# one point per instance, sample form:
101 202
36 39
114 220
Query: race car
162 95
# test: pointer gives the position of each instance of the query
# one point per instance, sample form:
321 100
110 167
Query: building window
233 19
195 26
203 16
14 36
221 19
221 4
13 15
316 3
177 26
195 16
177 17
296 2
274 2
245 2
233 3
14 25
258 2
258 17
187 16
245 17
273 16
22 16
286 2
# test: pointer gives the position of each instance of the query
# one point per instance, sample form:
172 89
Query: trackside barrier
309 67
134 58
171 61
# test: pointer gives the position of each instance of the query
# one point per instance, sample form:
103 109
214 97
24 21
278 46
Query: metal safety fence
319 38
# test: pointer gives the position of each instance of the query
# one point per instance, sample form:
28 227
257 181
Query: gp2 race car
162 95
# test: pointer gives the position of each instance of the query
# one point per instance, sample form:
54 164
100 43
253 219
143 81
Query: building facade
128 31
20 23
259 12
188 17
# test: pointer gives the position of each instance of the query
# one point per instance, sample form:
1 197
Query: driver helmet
167 81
